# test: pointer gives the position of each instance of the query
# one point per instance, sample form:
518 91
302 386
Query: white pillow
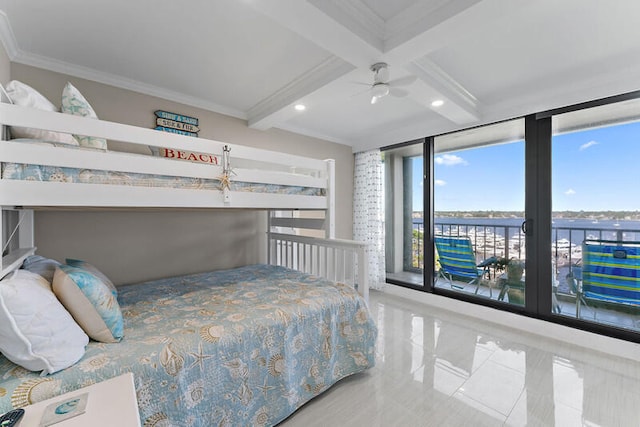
26 96
36 332
74 103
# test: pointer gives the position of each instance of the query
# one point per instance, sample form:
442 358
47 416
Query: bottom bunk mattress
246 346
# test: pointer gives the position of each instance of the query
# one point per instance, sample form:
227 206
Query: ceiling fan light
437 103
379 90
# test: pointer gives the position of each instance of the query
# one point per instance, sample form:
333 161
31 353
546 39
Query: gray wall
5 66
132 246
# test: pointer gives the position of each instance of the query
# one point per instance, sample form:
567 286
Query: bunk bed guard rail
335 259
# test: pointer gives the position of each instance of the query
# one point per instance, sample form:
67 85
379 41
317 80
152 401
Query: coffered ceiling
487 60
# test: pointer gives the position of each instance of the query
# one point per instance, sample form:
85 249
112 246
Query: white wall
132 246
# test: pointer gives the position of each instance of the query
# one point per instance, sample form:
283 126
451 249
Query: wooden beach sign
176 123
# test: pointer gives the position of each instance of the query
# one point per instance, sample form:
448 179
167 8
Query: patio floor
626 318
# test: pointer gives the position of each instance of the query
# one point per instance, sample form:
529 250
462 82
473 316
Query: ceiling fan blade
360 93
374 99
402 81
361 83
397 92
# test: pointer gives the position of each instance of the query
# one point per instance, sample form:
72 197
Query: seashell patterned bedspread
246 346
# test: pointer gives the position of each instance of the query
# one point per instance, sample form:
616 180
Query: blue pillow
90 302
91 269
45 267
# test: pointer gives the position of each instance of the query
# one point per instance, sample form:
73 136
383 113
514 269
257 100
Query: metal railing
508 241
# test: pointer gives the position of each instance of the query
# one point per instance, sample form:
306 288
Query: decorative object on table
511 280
176 123
11 418
63 410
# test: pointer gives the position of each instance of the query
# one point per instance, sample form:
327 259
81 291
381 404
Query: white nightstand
110 403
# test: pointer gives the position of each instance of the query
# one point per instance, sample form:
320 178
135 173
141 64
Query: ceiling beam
303 18
352 32
278 107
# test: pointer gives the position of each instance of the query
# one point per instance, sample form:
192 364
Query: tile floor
436 368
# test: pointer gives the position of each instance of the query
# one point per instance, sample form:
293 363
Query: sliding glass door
596 220
479 196
537 215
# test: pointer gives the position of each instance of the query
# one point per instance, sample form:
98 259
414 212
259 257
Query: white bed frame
259 166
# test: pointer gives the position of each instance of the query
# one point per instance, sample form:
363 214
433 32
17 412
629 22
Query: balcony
503 238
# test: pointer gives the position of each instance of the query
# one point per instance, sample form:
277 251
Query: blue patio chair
611 272
458 260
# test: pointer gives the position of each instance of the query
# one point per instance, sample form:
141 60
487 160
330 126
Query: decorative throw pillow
74 103
91 269
36 332
45 267
26 96
90 302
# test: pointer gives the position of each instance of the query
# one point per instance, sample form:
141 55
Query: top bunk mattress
246 346
31 172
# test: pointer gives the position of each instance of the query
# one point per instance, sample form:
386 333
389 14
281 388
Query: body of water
574 230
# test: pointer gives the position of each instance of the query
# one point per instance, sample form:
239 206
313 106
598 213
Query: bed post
330 215
269 213
23 231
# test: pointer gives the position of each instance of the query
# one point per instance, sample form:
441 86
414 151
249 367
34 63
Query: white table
110 403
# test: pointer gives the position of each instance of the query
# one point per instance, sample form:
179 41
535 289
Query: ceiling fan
382 86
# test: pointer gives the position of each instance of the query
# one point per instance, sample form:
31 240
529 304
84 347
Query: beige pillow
90 302
25 96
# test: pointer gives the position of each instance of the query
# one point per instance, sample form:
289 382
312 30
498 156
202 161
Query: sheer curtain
368 212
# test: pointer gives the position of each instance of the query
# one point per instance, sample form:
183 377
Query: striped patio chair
611 272
458 260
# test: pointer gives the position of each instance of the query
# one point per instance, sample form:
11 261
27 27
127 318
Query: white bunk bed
259 321
276 172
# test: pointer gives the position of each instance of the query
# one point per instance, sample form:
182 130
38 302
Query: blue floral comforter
246 346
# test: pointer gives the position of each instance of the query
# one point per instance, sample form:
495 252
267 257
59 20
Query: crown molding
18 56
274 110
357 17
434 75
124 83
312 134
421 17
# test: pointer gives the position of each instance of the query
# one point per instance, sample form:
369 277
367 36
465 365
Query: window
404 233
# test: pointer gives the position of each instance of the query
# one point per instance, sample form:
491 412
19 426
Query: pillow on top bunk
45 267
90 302
91 269
74 103
26 96
36 332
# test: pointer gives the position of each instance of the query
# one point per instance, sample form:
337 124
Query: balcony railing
508 241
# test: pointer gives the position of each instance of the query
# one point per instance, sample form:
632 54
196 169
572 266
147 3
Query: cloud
588 145
570 192
450 160
440 183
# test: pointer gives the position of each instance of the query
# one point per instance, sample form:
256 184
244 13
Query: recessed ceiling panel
386 9
221 51
538 47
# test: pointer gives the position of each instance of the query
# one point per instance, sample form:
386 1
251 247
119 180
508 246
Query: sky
592 170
